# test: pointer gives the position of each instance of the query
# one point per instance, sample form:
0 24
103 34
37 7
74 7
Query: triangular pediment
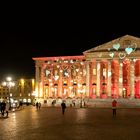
121 42
123 46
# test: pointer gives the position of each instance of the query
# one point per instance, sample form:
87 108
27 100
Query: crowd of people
4 107
38 105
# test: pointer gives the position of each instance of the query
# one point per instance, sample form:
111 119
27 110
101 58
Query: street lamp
8 83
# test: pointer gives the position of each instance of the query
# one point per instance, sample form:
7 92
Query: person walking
39 105
3 107
114 105
63 106
7 108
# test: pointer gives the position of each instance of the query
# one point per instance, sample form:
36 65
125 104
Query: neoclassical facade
111 70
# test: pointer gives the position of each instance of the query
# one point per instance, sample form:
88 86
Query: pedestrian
114 105
3 107
7 108
63 106
0 106
39 105
7 113
20 104
84 104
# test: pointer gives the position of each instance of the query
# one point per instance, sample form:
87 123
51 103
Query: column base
132 97
93 96
103 96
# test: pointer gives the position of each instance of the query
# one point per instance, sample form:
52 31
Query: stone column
42 82
132 79
69 82
87 79
98 78
60 83
37 73
52 84
109 78
90 78
121 78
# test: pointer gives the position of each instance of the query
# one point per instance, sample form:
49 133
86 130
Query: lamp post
8 83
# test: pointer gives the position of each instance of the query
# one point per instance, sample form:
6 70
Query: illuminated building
22 91
4 93
25 90
111 70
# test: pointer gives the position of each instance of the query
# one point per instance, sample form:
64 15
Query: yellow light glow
4 83
61 71
120 80
70 87
9 79
109 73
33 84
84 90
41 90
22 82
79 85
121 64
33 81
36 91
79 90
11 84
65 91
51 84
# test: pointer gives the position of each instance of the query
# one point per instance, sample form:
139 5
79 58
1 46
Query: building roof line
59 57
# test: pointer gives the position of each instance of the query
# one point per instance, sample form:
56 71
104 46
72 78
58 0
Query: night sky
18 48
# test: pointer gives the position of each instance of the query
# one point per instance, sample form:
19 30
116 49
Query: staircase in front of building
107 103
95 103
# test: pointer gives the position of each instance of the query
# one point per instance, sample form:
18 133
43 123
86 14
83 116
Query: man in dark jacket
63 106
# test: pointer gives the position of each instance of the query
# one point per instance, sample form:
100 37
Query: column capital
98 61
132 61
120 60
87 62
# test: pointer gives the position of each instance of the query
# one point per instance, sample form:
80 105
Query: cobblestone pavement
76 124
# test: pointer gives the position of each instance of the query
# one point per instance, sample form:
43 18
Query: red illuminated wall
93 77
137 79
126 78
115 78
103 79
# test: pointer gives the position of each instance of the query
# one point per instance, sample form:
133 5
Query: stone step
121 103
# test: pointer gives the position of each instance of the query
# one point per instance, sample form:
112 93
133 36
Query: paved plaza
77 124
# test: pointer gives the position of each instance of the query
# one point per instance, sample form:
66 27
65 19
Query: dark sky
18 48
60 32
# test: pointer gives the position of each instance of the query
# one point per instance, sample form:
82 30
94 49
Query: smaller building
22 91
4 93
